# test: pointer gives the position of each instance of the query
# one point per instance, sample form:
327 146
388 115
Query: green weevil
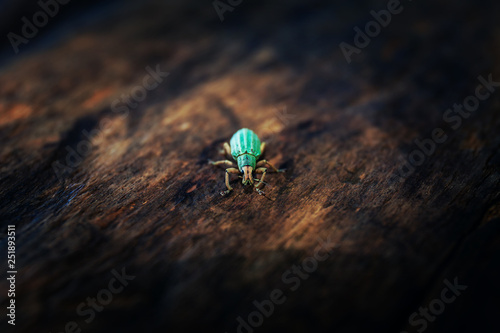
246 149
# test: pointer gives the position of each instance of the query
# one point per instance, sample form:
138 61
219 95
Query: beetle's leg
264 162
258 190
226 149
228 171
263 171
261 180
262 148
227 162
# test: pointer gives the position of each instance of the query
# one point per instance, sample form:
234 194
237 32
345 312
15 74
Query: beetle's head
247 175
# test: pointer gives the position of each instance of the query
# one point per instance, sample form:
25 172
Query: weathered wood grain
143 197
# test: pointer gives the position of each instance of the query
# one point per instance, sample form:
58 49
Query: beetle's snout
247 175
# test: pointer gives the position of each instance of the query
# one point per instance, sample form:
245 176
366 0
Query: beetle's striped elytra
246 149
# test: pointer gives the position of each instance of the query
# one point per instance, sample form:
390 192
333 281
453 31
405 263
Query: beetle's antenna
258 180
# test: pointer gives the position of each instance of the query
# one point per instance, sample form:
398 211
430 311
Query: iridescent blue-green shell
245 148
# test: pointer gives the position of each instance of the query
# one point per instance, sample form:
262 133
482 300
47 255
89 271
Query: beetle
246 149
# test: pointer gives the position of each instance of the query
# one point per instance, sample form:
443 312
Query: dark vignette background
144 198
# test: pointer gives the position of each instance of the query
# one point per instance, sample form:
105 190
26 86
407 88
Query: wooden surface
144 198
